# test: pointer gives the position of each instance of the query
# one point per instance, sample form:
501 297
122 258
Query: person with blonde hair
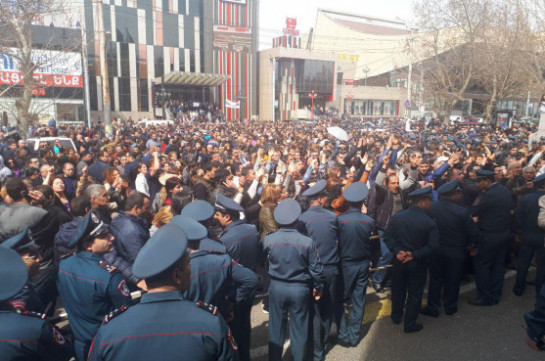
270 196
160 219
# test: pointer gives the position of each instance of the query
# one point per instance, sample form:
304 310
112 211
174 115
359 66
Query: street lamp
365 70
313 95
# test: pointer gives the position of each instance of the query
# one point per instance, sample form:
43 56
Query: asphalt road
474 333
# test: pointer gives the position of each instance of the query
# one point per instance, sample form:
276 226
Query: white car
155 122
34 143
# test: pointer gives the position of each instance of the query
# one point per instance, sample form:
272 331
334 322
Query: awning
195 79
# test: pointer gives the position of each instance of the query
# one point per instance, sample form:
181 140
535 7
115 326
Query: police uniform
457 231
355 250
242 243
213 274
202 211
89 287
164 324
493 209
321 225
410 230
532 238
295 269
27 299
28 335
536 321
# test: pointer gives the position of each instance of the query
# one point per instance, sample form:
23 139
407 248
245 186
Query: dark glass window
124 94
149 27
170 37
93 91
126 23
112 98
195 7
159 61
189 32
111 58
144 99
124 57
181 6
107 18
166 6
182 59
192 60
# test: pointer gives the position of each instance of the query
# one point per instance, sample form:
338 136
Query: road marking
377 310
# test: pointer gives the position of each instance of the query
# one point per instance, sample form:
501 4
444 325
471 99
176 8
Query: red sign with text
57 80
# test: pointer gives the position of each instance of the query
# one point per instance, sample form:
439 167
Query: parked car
34 143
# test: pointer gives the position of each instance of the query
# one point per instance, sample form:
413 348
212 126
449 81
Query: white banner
242 2
232 105
55 68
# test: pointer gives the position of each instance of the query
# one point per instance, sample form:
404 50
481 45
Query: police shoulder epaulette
108 267
214 252
68 255
34 314
115 313
208 307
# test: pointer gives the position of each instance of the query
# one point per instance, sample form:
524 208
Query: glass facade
312 75
139 50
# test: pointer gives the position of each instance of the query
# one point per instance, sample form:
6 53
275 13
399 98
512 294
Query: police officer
493 211
28 335
242 242
214 275
296 275
457 231
164 324
535 333
412 236
27 299
89 287
355 249
203 212
321 225
240 238
532 237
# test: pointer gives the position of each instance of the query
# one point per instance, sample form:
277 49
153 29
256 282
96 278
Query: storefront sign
348 57
55 68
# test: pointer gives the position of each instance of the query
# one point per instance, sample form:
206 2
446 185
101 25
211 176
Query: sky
273 13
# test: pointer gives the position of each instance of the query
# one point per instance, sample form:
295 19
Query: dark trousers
327 310
490 267
355 277
526 254
445 272
408 282
242 327
293 299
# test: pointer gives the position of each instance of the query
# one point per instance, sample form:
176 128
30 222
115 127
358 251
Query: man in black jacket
493 211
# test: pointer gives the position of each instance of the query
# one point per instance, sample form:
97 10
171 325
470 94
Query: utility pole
409 77
103 65
273 61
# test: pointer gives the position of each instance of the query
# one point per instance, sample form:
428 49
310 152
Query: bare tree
487 45
16 27
505 51
450 29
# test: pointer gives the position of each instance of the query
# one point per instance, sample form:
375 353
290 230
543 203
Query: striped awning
195 79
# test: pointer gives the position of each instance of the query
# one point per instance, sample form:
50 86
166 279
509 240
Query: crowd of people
200 216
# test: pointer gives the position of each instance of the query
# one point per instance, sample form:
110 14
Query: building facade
148 39
59 88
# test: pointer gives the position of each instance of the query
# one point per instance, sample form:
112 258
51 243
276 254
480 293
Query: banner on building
232 38
55 68
231 104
